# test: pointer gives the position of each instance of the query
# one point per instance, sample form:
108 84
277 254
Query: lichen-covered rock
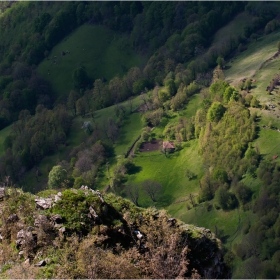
2 193
40 220
44 203
56 219
106 231
40 263
13 218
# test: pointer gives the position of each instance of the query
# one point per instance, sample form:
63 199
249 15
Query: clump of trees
32 138
225 133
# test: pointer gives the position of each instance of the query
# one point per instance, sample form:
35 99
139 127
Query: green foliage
230 94
74 207
221 61
153 118
248 84
101 59
190 174
139 86
80 78
205 194
220 175
170 86
57 176
271 26
78 182
278 45
243 193
163 95
217 89
225 199
215 112
230 137
255 103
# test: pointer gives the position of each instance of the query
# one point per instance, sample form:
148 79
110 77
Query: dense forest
181 58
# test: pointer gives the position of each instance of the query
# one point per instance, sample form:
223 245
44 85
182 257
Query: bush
56 177
215 112
243 193
190 174
225 199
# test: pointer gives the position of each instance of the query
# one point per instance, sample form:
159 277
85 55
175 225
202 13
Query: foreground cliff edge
85 234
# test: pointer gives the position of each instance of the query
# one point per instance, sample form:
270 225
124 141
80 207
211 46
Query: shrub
243 193
225 199
215 112
56 177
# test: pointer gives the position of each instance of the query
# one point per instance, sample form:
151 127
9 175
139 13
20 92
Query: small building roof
168 145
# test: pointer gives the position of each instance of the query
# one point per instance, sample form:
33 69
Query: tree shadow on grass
221 235
135 169
164 201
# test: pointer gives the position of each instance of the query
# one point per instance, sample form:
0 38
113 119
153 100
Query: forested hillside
168 104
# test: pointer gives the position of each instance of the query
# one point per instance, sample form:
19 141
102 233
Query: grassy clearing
192 106
3 134
254 184
225 223
102 52
232 29
264 77
129 132
169 172
249 62
269 143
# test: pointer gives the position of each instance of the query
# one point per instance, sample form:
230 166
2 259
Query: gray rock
62 230
58 226
93 213
30 229
44 203
57 219
57 198
20 234
2 193
171 221
138 234
13 218
40 263
40 219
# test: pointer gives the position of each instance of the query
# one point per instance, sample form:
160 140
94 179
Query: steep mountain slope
210 93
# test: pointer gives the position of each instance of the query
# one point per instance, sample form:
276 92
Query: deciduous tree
133 192
56 177
152 188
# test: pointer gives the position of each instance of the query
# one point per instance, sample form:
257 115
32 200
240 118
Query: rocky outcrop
12 218
44 203
109 222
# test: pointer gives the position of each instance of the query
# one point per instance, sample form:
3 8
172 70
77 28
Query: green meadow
169 172
102 52
233 29
247 63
